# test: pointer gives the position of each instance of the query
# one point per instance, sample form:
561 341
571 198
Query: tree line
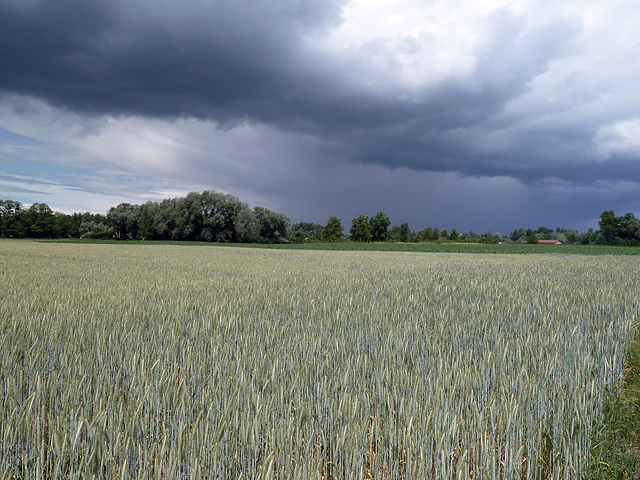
39 221
216 217
624 230
207 216
376 229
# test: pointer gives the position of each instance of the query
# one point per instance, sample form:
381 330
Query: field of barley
168 362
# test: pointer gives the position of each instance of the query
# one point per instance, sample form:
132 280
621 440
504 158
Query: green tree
94 230
629 229
404 232
124 220
394 233
11 221
490 237
379 226
517 234
332 231
247 225
361 230
191 218
589 237
142 222
414 236
272 226
453 234
62 225
544 233
41 221
426 234
568 235
306 231
471 235
609 226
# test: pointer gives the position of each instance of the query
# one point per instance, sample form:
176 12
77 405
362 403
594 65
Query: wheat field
168 362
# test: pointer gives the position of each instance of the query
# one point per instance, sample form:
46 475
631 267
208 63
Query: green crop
209 362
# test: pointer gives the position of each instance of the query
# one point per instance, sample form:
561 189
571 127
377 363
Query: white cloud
384 46
622 137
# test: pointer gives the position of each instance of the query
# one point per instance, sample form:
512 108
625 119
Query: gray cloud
533 97
216 60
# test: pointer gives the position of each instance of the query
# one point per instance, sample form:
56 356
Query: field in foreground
206 362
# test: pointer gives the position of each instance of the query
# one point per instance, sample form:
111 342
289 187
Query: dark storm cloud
222 61
247 61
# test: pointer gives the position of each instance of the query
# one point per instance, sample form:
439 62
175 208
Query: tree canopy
332 231
624 230
207 216
379 225
361 229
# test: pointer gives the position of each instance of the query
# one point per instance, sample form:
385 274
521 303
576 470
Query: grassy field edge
518 249
616 449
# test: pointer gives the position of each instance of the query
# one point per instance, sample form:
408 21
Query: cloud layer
353 101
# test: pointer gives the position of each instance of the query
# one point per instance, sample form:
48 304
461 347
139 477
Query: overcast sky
487 115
